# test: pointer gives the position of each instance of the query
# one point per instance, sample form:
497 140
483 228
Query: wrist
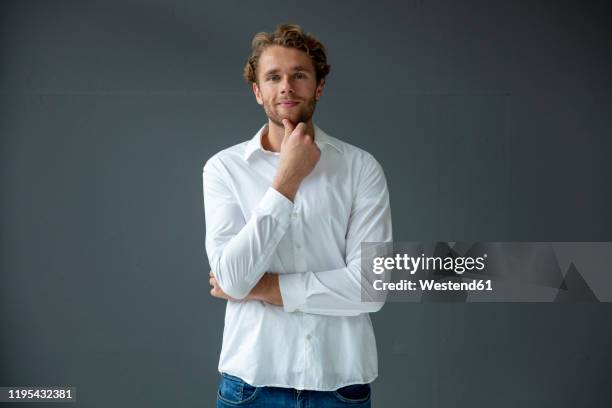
267 290
286 186
261 288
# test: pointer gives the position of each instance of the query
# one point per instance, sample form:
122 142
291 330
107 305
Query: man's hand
267 290
216 290
298 157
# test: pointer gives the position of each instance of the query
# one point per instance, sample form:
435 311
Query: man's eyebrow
296 68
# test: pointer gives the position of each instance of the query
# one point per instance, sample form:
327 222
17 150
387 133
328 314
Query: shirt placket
298 238
312 361
297 228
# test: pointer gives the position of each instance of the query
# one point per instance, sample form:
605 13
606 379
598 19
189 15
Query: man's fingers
218 293
216 290
288 126
300 128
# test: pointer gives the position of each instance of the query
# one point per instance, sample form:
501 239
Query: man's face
287 86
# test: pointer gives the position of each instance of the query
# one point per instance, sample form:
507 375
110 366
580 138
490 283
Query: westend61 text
430 284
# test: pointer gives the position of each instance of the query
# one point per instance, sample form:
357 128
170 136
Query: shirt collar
321 139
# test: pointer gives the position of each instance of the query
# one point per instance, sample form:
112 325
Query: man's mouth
288 104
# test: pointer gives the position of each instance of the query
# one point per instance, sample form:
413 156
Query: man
286 213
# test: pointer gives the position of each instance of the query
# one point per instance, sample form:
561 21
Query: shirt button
298 246
308 337
294 215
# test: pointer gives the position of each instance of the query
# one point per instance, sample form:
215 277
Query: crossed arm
299 156
266 290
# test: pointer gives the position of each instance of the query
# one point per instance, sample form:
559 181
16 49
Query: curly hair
292 36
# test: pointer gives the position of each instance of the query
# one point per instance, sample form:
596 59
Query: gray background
491 120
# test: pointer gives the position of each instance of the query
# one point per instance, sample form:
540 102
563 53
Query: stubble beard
304 115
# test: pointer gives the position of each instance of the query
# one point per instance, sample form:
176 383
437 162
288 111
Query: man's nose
286 85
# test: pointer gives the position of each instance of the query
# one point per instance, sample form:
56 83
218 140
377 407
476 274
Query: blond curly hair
292 36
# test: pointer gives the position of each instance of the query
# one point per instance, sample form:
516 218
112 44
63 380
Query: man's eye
273 78
300 75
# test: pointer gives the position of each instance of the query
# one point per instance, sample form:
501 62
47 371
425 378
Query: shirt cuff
293 290
276 205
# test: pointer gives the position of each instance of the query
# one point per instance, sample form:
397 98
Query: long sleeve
339 292
239 250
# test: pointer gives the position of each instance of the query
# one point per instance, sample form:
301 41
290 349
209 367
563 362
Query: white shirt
322 337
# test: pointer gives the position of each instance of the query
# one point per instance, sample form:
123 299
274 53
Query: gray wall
491 119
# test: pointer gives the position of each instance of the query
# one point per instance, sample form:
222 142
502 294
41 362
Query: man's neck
272 139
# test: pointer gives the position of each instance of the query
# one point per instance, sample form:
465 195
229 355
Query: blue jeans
233 392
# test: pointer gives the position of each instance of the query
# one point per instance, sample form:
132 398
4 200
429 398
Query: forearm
240 263
339 292
286 184
267 290
245 262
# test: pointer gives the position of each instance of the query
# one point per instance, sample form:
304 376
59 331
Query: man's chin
278 120
295 118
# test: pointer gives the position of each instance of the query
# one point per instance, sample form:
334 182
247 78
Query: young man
286 213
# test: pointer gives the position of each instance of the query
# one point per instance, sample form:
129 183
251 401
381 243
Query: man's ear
319 90
257 93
